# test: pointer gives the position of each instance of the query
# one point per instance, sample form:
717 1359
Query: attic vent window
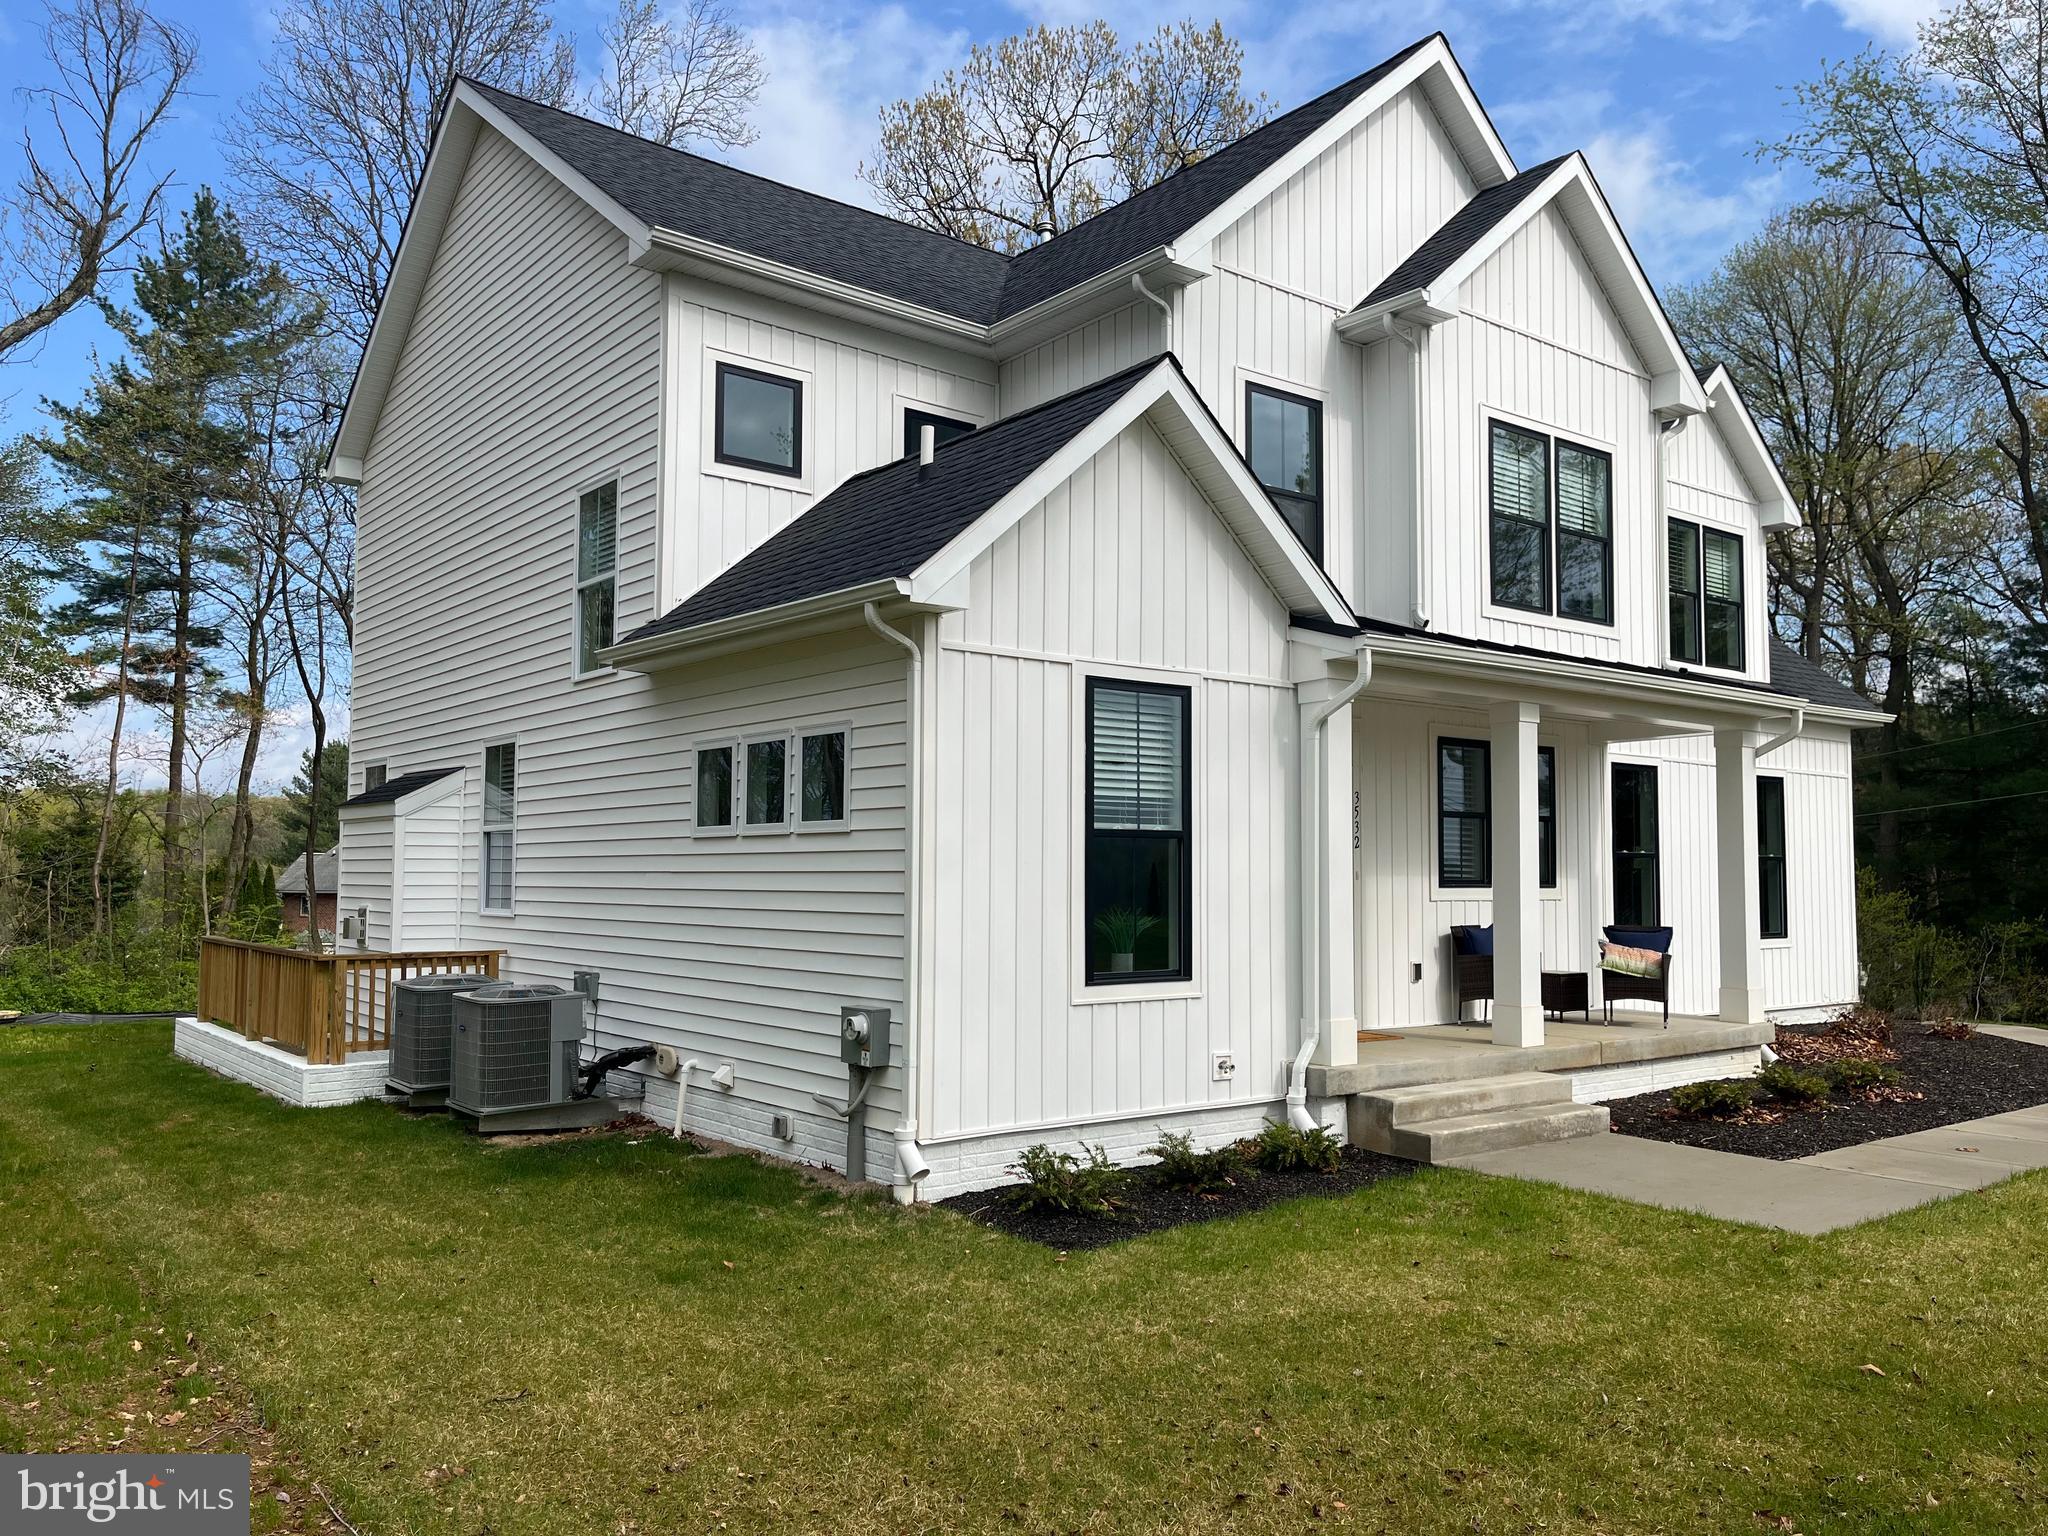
760 420
597 566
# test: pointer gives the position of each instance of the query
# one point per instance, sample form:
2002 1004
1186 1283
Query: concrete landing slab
1795 1197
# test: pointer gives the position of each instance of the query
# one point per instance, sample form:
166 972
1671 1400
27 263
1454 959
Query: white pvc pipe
1312 835
683 1091
911 1168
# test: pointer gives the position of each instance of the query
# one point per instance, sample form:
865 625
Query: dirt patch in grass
1940 1082
1146 1204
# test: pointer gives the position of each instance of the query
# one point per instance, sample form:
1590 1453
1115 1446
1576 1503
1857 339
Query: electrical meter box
863 1036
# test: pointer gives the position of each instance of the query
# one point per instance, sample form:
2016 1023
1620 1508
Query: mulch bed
1955 1080
1146 1205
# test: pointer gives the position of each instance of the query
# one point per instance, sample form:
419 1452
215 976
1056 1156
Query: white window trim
510 828
1110 994
770 828
805 478
1609 632
734 806
844 730
902 405
617 478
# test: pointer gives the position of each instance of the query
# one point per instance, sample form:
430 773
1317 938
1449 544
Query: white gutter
1789 733
1312 836
698 636
911 1167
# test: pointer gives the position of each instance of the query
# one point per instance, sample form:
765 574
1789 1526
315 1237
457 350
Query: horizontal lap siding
433 876
856 383
1126 570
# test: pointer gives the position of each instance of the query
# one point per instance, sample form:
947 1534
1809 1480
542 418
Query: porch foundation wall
279 1073
1598 1085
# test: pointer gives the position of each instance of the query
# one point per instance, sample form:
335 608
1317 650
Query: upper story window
1139 859
944 428
760 420
501 784
714 788
767 784
373 777
597 559
1706 595
1550 504
1284 442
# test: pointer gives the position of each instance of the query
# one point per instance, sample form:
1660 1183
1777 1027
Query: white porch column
1517 904
1338 1046
1742 950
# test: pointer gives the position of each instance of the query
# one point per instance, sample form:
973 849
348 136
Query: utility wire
1953 741
1949 805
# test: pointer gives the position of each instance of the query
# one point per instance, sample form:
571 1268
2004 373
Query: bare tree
331 147
1037 132
688 79
84 195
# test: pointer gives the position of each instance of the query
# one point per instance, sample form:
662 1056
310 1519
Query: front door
1635 845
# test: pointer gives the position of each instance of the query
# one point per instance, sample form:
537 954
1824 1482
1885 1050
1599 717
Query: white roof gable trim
1776 509
1166 400
1574 192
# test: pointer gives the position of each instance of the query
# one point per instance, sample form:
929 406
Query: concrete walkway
1814 1194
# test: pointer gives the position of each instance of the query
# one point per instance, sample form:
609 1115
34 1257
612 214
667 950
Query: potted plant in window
1121 928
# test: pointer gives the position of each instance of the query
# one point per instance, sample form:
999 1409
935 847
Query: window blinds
1723 568
1583 498
1520 472
597 533
1138 737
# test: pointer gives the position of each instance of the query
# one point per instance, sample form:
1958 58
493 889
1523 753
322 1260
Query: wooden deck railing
322 1005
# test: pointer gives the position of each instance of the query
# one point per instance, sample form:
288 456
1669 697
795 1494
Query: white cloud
1891 21
1677 223
827 79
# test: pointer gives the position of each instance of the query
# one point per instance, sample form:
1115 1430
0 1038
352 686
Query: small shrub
1182 1167
1788 1085
1713 1101
1280 1148
1859 1074
1060 1181
1944 1024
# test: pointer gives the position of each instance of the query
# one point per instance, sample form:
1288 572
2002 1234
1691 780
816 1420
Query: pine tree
151 454
291 822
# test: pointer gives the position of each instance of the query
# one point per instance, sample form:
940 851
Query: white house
1124 661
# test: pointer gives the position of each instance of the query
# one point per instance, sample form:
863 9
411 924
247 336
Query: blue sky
1669 98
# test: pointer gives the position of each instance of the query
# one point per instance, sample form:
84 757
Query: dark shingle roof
398 788
1792 673
291 880
885 523
1460 232
673 189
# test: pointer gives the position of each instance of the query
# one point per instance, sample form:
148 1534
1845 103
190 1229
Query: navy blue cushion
1467 940
1658 939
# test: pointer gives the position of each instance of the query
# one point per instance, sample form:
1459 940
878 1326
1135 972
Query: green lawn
596 1336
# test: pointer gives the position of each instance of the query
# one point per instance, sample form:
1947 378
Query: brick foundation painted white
1599 1085
1819 1013
979 1162
279 1073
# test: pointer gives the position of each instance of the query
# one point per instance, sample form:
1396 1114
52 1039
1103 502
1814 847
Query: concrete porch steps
1436 1122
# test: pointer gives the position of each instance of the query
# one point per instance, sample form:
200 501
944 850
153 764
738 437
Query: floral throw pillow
1630 961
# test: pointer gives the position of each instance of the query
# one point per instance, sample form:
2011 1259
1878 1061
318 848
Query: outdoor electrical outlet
1222 1067
1418 972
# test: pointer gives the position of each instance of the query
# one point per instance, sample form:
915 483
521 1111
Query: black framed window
1682 541
1637 880
1464 813
760 420
1284 442
1518 499
944 429
1139 858
1546 817
1721 597
1585 533
1773 913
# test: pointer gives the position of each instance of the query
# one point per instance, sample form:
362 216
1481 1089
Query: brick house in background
291 891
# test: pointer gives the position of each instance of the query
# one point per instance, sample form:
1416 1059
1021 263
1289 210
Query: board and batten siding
1124 570
856 382
1705 485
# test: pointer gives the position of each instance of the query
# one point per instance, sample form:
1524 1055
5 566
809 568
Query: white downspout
1418 570
1311 949
911 1167
1791 731
1165 306
683 1091
1667 429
